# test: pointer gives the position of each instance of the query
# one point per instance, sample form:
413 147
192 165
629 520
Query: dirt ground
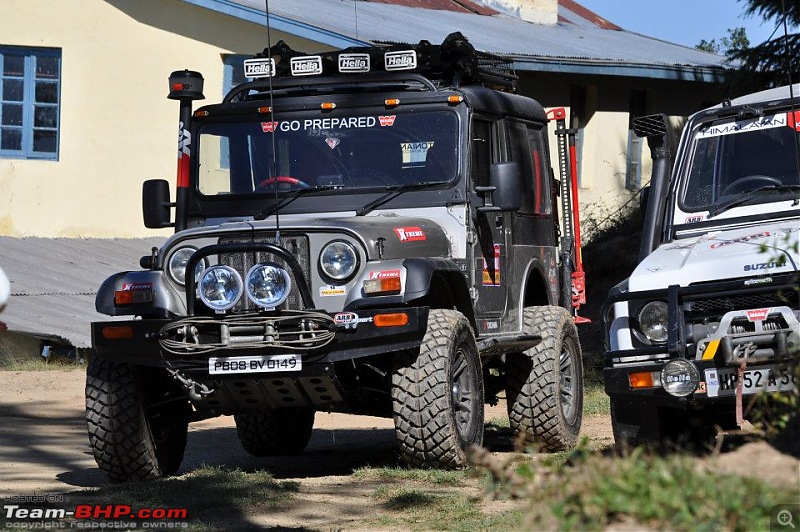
44 450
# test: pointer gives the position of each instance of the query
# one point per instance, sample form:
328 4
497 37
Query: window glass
348 151
481 152
29 102
733 157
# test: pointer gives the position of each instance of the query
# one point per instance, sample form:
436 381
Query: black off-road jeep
371 231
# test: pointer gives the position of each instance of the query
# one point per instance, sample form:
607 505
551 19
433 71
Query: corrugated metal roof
54 281
570 47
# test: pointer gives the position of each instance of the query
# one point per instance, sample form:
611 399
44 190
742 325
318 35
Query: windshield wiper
286 200
393 192
748 197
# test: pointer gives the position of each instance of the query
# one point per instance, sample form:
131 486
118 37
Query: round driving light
338 260
177 264
267 285
220 287
679 377
653 321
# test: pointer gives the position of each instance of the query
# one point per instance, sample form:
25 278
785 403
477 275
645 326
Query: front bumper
729 331
144 342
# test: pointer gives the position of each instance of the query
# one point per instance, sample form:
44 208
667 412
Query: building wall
604 146
117 128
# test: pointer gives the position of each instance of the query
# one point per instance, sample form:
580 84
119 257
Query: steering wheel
750 182
285 179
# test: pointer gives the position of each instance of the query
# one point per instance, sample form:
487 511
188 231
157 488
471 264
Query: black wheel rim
464 388
568 380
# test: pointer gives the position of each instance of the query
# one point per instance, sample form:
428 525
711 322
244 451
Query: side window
481 146
521 154
30 89
528 150
542 192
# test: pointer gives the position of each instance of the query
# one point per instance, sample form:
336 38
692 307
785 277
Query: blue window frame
30 96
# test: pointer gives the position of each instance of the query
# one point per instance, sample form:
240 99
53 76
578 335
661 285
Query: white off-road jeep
710 314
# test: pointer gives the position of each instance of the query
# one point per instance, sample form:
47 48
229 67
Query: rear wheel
275 432
437 395
544 385
137 420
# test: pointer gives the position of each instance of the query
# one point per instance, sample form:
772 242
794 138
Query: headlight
679 377
653 321
338 261
267 285
220 287
177 264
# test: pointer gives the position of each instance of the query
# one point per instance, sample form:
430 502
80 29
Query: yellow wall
117 127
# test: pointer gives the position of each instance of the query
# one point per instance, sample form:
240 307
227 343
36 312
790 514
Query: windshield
352 151
733 157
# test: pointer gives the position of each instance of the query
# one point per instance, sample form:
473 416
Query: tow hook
197 391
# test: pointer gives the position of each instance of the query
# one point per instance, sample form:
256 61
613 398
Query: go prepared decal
410 234
328 124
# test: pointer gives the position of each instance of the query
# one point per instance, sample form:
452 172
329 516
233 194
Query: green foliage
735 42
594 492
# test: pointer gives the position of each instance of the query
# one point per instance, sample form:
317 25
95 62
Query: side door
488 272
533 231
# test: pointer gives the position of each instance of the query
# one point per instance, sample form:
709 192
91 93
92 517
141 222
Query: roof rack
453 63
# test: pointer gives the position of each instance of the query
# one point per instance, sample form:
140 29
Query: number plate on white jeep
254 364
722 382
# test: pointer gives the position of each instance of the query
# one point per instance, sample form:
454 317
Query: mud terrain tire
437 395
130 438
544 385
275 432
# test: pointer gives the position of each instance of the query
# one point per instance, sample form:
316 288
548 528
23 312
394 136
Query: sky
685 22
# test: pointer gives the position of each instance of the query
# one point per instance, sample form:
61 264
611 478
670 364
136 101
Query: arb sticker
409 234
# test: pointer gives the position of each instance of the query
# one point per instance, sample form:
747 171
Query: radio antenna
355 13
273 172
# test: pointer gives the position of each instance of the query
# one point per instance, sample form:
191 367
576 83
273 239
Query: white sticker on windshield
415 153
744 126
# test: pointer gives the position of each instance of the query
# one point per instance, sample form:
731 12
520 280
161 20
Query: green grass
594 492
427 476
213 496
40 365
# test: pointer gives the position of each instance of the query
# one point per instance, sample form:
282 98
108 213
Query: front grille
721 305
297 245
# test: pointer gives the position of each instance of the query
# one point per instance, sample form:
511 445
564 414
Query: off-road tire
437 395
275 432
130 438
544 385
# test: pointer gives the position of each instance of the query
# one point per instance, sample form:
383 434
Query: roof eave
279 23
702 74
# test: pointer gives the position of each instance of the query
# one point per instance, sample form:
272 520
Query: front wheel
137 421
544 385
437 395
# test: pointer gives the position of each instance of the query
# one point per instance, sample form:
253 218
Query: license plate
722 382
254 364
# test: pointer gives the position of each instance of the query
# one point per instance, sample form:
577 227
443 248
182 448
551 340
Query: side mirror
156 204
504 191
